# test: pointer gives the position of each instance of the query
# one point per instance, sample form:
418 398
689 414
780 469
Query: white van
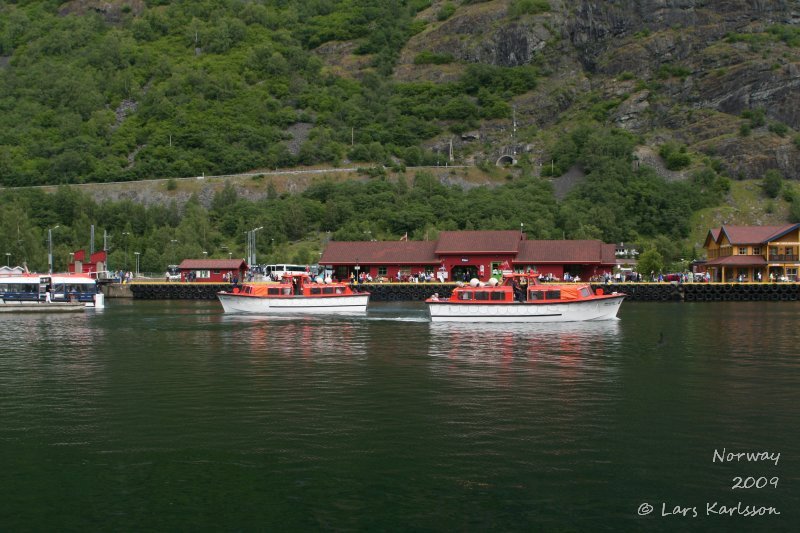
276 272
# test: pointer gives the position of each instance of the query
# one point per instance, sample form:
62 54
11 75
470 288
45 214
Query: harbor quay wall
387 292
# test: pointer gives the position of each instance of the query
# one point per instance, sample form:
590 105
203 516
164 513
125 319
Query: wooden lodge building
753 253
463 255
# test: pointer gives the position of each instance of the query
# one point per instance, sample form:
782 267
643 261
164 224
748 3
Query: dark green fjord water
162 416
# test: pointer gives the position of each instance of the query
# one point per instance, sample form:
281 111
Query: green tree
650 262
773 181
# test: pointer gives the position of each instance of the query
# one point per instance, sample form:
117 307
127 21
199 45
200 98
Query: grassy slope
745 205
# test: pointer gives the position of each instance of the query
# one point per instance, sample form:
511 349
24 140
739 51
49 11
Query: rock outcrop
667 63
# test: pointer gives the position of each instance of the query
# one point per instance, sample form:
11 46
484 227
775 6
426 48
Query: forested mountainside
651 110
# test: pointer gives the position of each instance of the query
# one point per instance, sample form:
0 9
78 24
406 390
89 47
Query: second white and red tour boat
521 298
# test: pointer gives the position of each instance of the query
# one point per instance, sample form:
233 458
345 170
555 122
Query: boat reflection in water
299 336
564 344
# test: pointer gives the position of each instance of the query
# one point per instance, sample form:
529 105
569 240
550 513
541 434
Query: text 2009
751 482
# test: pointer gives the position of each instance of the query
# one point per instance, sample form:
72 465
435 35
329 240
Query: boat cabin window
19 287
273 291
465 295
316 290
247 289
553 295
481 295
498 295
327 290
585 292
536 295
287 290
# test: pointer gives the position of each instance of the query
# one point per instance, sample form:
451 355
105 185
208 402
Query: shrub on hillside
446 11
773 181
674 155
432 58
528 7
779 128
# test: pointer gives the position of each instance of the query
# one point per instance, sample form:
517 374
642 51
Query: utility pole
50 248
513 130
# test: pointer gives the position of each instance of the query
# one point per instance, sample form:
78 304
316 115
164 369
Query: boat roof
55 278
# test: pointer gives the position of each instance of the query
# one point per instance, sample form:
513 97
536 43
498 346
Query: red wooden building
584 258
460 255
212 270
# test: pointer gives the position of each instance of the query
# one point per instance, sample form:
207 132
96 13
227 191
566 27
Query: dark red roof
463 242
564 251
379 252
213 264
738 260
755 234
608 254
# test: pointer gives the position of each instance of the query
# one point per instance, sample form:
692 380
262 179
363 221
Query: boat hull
604 308
41 307
345 304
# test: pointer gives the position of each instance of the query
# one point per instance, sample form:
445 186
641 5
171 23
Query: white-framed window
382 270
756 250
743 250
202 274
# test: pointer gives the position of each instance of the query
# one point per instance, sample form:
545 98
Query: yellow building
753 253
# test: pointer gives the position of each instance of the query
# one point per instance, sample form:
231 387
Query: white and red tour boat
521 298
295 293
48 293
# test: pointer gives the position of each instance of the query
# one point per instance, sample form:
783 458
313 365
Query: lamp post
251 258
50 247
136 275
8 259
127 244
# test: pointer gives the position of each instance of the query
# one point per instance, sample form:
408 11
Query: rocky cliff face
679 69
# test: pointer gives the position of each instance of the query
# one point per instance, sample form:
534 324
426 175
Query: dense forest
125 91
191 87
615 203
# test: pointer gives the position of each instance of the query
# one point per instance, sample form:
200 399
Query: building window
743 250
203 273
756 250
382 270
